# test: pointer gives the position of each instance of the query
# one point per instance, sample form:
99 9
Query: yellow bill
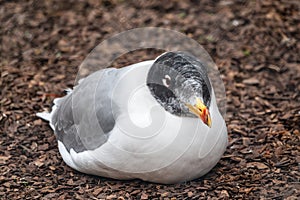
201 111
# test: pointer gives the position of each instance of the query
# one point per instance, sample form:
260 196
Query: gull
156 120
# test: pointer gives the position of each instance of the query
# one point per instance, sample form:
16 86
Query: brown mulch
256 45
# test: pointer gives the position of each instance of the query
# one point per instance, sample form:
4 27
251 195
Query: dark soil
256 45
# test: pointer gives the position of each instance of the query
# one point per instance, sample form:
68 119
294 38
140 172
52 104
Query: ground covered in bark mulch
256 45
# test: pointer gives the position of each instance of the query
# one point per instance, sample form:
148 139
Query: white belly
169 150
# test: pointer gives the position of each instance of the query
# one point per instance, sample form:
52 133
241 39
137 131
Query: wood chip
251 81
257 165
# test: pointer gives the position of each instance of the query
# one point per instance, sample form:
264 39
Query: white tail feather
48 116
44 115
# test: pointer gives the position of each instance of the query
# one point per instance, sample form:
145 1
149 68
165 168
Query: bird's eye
166 81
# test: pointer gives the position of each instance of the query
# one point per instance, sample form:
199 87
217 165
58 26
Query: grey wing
84 117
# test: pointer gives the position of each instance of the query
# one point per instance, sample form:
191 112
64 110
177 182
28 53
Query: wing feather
83 118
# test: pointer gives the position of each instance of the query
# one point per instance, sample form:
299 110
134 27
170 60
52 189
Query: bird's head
179 82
